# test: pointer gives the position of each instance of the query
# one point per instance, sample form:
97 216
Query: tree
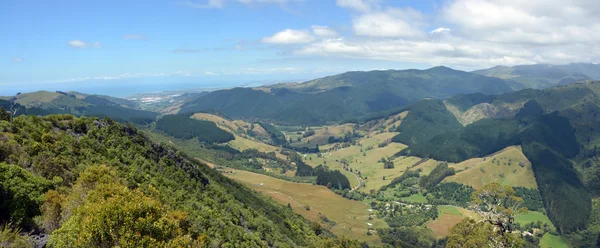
497 205
472 234
12 111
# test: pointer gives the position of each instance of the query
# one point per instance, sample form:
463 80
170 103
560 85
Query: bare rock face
484 111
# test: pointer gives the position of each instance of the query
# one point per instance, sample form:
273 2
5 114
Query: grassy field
30 99
416 198
448 217
351 217
366 162
242 141
533 216
551 241
503 167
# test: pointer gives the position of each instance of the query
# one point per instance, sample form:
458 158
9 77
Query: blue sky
122 47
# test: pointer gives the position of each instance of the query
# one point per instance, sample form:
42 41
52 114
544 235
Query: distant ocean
128 87
117 89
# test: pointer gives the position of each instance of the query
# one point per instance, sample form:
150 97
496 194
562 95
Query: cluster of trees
276 135
183 127
332 179
102 184
426 119
548 141
398 180
436 176
411 216
412 237
450 194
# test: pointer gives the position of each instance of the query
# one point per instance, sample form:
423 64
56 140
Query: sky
121 47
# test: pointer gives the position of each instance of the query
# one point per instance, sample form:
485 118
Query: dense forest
333 179
425 119
349 95
93 182
276 135
182 127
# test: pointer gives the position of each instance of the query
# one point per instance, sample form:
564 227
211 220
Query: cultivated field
361 159
533 216
551 241
448 217
351 217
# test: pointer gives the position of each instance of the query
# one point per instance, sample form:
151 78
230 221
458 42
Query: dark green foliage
478 139
4 115
451 194
388 165
531 109
541 76
532 198
303 170
412 217
487 136
226 212
397 180
436 176
350 95
21 194
419 237
276 135
425 119
333 179
183 127
566 200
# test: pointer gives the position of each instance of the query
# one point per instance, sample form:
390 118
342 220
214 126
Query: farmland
351 217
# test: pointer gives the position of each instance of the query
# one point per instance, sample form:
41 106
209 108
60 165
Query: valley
406 170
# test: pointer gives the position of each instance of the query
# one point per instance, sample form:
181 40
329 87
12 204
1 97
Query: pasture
351 217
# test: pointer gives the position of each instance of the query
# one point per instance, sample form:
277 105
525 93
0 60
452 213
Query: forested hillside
44 102
183 127
92 182
344 96
557 129
540 76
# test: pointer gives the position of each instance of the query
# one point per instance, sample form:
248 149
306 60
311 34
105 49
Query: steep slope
558 130
114 186
344 96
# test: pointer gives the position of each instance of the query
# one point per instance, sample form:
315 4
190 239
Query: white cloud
324 31
391 23
289 36
210 4
468 34
134 37
16 59
83 44
534 22
440 30
77 44
357 5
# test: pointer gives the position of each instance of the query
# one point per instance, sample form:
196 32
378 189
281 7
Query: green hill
183 127
79 104
345 96
558 130
92 182
540 76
